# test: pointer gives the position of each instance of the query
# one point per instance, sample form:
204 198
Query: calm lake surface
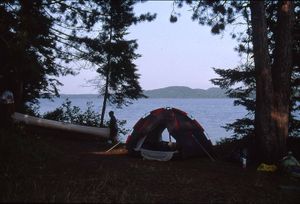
212 114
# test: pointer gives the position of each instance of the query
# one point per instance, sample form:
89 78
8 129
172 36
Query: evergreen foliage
27 63
36 44
114 55
240 81
42 40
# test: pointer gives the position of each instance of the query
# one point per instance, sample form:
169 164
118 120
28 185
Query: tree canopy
41 40
243 82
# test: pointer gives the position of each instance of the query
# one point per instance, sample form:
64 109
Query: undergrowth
69 113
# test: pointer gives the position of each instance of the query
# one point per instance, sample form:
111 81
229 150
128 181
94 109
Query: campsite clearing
81 171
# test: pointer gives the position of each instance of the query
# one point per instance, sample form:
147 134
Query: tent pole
206 152
113 147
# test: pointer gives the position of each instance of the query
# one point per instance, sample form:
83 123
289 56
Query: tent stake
113 147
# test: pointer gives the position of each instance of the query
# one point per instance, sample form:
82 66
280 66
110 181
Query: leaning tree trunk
105 98
281 71
264 131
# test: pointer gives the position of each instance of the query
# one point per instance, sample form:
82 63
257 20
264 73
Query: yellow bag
266 167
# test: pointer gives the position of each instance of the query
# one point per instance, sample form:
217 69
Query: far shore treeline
170 92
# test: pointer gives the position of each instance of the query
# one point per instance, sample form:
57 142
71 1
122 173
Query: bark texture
264 131
282 70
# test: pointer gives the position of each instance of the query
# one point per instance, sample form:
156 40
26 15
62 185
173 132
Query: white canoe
30 120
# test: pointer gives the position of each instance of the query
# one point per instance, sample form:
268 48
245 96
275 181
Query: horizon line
143 90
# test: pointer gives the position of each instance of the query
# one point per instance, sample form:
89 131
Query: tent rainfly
146 137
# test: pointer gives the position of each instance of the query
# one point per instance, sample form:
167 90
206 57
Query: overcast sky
173 54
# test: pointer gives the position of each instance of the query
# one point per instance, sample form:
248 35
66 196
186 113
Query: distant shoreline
96 95
172 92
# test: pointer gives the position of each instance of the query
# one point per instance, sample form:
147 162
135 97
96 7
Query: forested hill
168 92
185 92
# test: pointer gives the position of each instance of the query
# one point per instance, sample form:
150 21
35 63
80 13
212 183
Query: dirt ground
84 172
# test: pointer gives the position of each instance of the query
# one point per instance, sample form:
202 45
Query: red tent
188 133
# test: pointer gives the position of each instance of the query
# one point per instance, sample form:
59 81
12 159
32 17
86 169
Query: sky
173 54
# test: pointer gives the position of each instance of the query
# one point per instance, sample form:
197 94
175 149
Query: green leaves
113 54
240 81
73 114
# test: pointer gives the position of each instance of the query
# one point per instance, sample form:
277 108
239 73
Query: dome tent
188 133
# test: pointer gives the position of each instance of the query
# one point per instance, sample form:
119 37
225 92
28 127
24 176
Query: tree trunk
104 100
264 131
281 71
106 82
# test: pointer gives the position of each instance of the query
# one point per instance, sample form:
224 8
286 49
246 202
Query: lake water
212 114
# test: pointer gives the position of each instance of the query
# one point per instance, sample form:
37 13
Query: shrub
73 114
